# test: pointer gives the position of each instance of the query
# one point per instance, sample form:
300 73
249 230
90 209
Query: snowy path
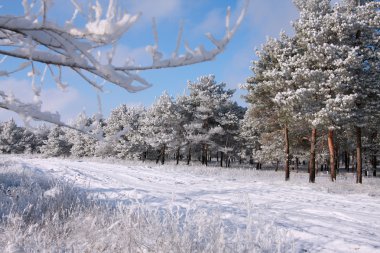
317 220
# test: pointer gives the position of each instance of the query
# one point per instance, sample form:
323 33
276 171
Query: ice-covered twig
29 111
34 38
196 55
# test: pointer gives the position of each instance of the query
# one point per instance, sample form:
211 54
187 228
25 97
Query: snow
322 217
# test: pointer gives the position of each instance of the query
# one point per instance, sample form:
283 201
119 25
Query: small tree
56 144
159 125
11 138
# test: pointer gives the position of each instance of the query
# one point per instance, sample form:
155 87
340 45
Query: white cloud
214 22
159 9
272 16
138 55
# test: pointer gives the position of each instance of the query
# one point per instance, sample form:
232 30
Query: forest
313 98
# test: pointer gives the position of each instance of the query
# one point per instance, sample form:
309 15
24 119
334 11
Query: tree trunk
353 161
204 154
358 155
374 163
277 163
177 155
296 165
163 154
332 154
336 158
347 161
221 158
312 155
287 171
189 155
158 156
316 167
374 158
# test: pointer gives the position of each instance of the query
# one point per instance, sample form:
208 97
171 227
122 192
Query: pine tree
159 126
206 98
10 138
122 129
271 91
56 144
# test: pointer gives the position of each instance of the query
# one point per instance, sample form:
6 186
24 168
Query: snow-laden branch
28 111
34 38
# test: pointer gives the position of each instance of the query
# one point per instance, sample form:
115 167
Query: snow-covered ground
323 217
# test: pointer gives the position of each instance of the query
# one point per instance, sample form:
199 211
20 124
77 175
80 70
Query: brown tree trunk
316 167
358 155
296 166
330 141
312 155
287 171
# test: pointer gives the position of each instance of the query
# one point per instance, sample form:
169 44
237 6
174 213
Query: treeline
199 126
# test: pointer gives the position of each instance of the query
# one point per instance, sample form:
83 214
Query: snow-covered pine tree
81 144
359 29
56 143
269 92
11 137
337 45
227 142
28 142
249 136
183 116
206 97
313 72
187 131
122 129
159 126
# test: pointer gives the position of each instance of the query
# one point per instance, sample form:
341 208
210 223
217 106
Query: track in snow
317 220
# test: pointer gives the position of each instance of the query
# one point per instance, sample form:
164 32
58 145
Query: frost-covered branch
34 38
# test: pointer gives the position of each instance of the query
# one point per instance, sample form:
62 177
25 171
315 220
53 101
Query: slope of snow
325 217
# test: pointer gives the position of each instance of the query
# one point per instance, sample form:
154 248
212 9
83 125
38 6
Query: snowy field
323 217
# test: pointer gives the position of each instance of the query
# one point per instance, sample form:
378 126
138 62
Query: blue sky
265 18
